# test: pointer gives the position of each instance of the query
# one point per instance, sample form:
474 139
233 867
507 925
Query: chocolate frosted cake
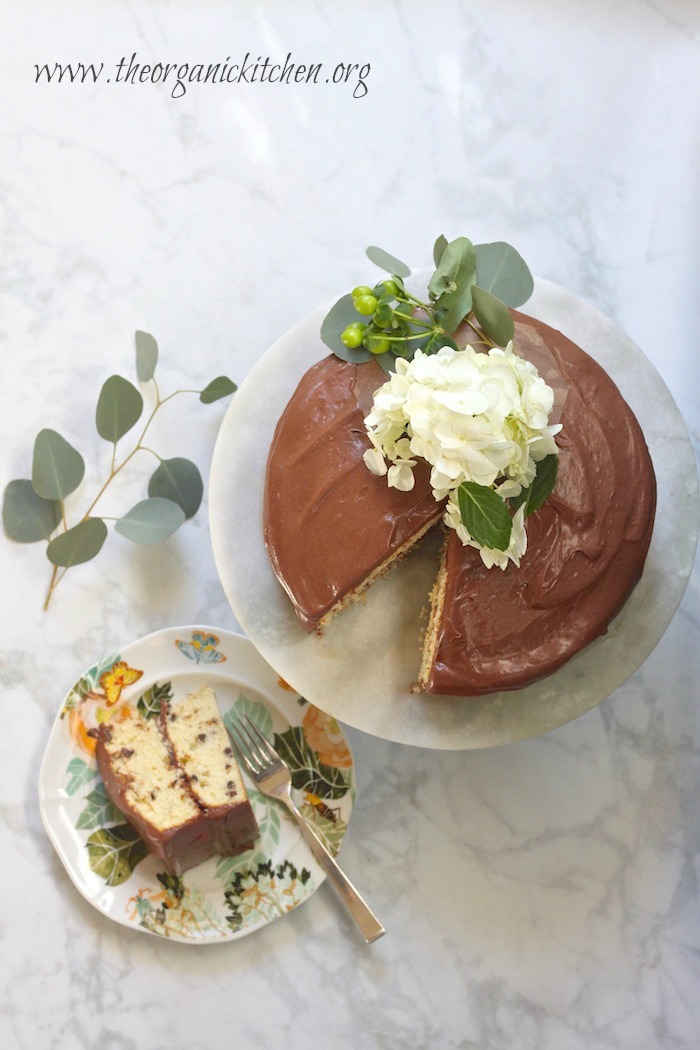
331 527
175 780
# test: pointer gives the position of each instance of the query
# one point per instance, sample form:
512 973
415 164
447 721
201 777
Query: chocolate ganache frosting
331 527
586 545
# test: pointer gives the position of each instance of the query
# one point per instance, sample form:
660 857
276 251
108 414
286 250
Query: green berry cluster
391 318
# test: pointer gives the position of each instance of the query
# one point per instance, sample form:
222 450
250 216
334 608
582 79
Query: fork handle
358 909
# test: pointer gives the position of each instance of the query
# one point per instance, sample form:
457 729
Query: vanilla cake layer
200 744
201 747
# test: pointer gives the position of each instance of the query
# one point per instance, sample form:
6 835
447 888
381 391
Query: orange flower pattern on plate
324 737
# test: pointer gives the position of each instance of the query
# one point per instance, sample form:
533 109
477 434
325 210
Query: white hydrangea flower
473 416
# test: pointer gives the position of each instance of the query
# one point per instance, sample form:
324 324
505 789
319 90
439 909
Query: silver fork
272 776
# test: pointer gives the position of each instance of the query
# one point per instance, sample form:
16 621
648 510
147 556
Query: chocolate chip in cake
126 752
202 737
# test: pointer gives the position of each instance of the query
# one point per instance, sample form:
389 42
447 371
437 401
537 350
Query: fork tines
254 749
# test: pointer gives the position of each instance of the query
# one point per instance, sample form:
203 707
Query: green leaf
253 709
99 809
485 515
493 316
57 468
387 361
149 703
146 356
308 772
151 521
79 544
113 854
501 270
387 262
220 387
119 407
435 341
438 248
451 284
542 486
27 517
79 774
178 480
334 324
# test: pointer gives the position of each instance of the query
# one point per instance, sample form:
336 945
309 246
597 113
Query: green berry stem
417 321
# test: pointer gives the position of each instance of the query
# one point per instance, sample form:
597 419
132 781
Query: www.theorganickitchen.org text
178 77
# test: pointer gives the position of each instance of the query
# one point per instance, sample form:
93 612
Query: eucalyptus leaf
146 356
27 517
178 480
542 486
501 270
151 521
80 544
493 316
119 407
387 262
438 248
451 284
485 515
387 361
220 387
57 467
340 315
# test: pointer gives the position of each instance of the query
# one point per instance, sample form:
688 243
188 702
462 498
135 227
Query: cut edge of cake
358 594
430 637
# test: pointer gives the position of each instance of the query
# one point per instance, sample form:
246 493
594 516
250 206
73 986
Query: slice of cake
143 781
201 747
185 811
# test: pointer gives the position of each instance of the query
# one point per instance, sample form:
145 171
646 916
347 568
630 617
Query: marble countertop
538 895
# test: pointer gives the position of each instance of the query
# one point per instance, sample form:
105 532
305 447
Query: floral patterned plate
226 897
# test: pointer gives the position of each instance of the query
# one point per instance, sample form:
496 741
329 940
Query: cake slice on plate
181 793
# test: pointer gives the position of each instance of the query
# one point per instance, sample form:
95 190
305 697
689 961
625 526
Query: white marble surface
540 895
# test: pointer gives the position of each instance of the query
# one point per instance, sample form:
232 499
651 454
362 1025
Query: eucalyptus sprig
475 284
35 509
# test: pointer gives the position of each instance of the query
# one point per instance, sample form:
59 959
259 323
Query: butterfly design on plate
202 648
117 678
